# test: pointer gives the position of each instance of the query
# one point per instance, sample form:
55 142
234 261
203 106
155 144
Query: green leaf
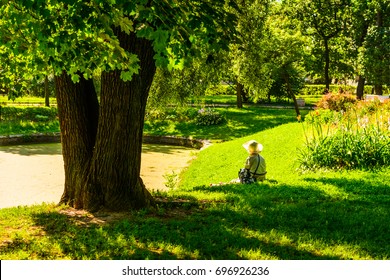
75 78
128 74
126 25
160 38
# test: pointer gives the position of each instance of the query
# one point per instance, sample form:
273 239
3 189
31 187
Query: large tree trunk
102 144
78 115
114 176
360 87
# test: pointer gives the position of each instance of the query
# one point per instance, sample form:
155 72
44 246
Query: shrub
336 102
9 113
207 117
358 138
319 89
360 149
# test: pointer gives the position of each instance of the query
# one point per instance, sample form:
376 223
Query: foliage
10 113
336 102
285 52
358 138
319 89
375 55
323 21
245 61
208 116
78 37
171 180
28 120
176 86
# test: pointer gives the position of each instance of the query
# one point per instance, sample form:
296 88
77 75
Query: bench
372 97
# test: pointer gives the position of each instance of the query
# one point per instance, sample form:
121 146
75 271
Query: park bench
372 97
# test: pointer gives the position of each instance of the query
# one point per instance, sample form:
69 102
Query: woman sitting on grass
255 163
255 168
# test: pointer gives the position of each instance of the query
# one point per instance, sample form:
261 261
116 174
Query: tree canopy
79 36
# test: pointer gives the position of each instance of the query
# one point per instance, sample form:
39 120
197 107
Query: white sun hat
253 147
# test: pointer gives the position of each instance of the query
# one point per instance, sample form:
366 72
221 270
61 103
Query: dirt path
31 174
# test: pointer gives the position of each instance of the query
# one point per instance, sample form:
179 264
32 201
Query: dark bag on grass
245 176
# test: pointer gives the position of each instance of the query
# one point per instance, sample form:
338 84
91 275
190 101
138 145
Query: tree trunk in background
239 91
78 115
47 101
327 62
379 22
378 89
360 87
291 94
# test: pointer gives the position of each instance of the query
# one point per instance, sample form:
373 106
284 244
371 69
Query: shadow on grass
361 221
205 234
165 149
240 123
259 221
33 149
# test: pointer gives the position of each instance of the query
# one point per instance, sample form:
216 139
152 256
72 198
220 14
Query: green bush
361 149
9 113
221 90
207 117
358 138
319 89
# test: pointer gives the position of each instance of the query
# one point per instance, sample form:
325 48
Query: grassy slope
326 215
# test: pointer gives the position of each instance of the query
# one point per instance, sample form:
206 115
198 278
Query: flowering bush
356 138
206 117
336 102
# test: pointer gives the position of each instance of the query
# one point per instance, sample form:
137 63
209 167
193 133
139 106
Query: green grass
26 100
28 120
240 122
331 215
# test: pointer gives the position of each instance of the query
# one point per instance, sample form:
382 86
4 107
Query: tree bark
47 101
327 62
114 176
378 89
360 87
239 90
78 115
102 144
291 93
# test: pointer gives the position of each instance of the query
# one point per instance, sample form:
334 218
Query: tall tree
324 20
285 48
245 58
242 64
375 51
126 40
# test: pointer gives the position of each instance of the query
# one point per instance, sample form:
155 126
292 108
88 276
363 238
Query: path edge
43 138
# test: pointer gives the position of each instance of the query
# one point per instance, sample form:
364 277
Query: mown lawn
323 215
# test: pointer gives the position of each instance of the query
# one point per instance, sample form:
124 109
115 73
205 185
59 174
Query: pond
32 174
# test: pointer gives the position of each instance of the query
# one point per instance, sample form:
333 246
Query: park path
32 174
